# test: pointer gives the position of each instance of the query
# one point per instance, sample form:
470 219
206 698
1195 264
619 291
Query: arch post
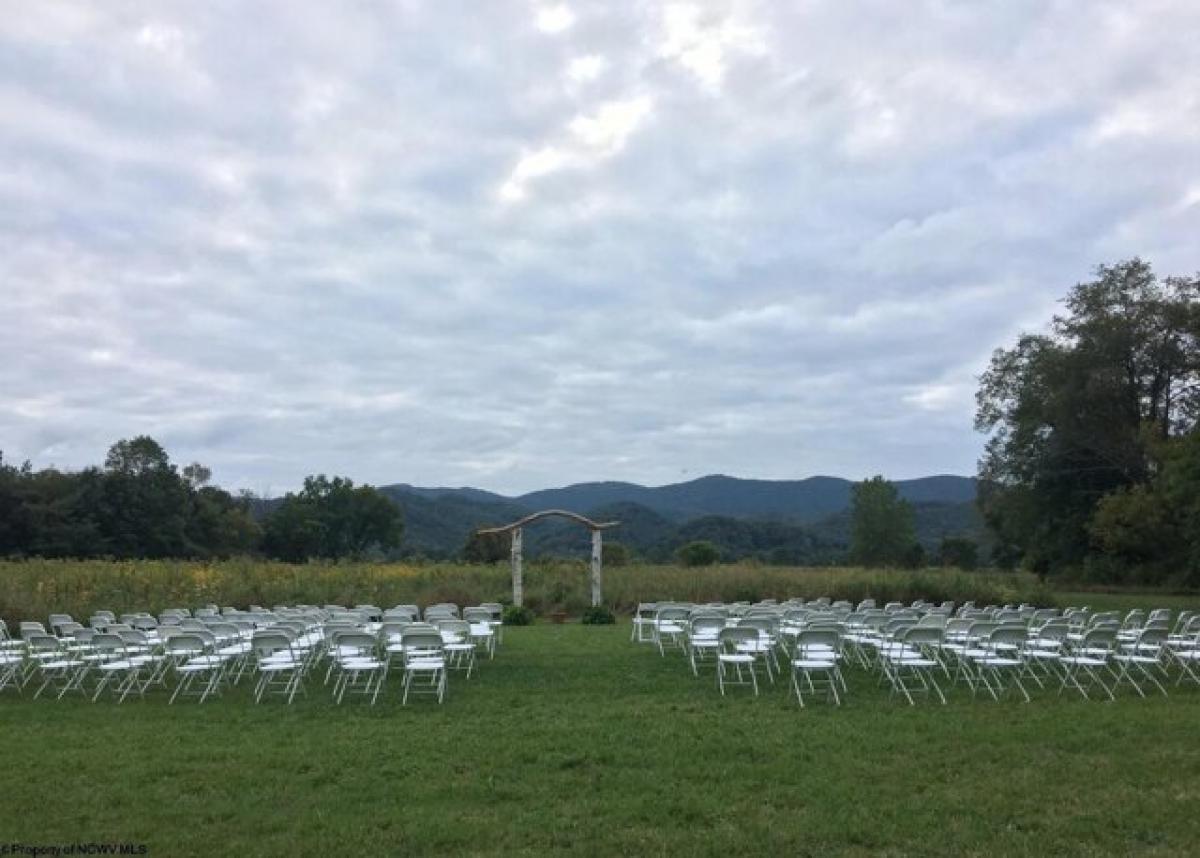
597 564
515 530
518 583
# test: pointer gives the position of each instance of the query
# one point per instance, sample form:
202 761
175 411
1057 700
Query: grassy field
575 739
34 589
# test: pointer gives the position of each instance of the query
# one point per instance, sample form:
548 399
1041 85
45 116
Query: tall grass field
33 589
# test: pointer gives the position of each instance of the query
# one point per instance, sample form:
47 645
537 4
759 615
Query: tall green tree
882 532
1150 533
144 504
332 519
1069 412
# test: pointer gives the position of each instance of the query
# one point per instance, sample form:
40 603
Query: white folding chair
815 655
424 664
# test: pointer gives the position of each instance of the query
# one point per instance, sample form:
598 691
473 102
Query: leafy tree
959 552
488 548
331 519
220 525
1070 413
144 503
881 525
15 524
197 475
1150 530
698 553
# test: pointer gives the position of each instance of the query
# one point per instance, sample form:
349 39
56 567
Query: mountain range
787 521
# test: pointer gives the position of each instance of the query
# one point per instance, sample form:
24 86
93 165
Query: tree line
141 505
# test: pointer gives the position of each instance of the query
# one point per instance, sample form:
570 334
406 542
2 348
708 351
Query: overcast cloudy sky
516 245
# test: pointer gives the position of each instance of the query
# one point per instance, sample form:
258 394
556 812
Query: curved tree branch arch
516 529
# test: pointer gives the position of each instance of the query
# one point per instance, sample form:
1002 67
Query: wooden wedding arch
596 527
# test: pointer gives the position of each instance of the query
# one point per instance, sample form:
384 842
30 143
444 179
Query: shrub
959 552
698 553
615 554
517 615
598 615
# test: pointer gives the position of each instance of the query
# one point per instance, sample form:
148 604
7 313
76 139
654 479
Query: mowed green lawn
575 739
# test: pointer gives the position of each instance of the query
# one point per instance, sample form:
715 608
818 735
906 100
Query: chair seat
1000 661
202 663
426 664
814 664
276 666
353 664
736 658
1083 661
1136 659
123 664
916 661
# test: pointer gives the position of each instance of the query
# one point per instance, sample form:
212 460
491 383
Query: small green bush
598 616
517 615
698 553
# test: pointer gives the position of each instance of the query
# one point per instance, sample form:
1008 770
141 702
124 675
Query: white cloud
704 46
586 68
610 126
767 239
554 19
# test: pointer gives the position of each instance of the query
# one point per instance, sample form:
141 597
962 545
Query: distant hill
807 500
790 521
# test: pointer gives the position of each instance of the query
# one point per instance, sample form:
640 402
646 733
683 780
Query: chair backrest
133 637
421 643
1101 638
768 625
361 642
460 629
42 642
731 638
809 639
477 615
1011 634
982 629
30 629
268 643
393 630
671 614
1151 638
1055 630
923 636
184 644
109 644
707 626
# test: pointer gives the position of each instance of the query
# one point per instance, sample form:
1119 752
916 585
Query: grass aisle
575 739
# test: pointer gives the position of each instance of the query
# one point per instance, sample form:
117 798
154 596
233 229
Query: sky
517 245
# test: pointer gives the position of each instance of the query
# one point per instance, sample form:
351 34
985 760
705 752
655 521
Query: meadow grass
33 589
575 739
